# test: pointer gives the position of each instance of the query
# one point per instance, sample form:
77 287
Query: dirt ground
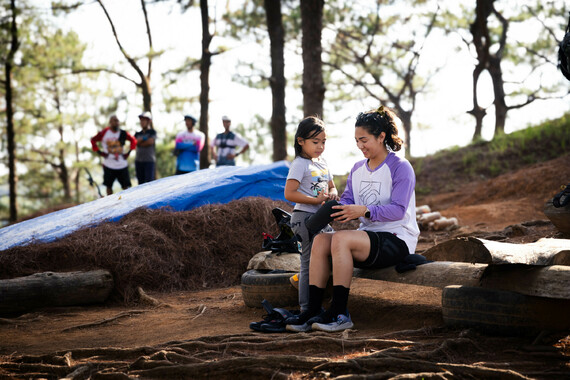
398 330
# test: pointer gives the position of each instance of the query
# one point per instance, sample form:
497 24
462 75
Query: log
550 281
473 250
437 274
23 294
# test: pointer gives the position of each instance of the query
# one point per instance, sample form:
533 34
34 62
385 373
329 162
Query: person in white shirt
223 146
115 165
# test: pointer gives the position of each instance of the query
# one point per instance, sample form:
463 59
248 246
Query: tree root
281 356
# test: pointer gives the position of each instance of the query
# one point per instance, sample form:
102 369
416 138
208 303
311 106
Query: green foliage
53 108
165 159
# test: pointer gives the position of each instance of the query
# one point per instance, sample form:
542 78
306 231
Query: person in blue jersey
309 184
189 144
380 192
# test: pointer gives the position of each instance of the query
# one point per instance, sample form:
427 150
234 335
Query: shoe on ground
340 323
301 318
272 327
299 328
322 317
274 320
294 280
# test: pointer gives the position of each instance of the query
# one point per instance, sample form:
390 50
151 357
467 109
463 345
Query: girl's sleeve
296 171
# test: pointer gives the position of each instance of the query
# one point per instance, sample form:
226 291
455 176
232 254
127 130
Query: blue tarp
181 193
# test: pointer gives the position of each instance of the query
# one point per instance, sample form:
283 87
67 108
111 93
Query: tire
502 312
274 286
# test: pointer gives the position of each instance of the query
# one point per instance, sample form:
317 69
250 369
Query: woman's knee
347 241
341 239
321 244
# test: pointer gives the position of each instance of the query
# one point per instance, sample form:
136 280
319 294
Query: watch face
367 214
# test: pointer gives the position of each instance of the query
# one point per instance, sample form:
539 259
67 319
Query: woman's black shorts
385 250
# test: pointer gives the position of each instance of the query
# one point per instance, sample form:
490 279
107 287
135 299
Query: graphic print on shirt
369 192
320 182
114 147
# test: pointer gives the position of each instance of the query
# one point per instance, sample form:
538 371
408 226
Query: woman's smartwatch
367 213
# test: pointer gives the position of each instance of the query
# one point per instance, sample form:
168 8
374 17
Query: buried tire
273 286
502 312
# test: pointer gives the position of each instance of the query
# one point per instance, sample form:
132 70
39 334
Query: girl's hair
381 120
308 128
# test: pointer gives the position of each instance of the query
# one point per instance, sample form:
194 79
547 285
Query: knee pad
322 217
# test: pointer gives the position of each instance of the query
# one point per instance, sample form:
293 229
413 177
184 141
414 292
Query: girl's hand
348 212
334 197
322 197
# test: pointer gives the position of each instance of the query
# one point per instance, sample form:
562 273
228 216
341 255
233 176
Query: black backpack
564 53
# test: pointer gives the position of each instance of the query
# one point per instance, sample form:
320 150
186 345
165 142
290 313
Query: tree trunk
61 168
406 118
481 40
146 93
10 133
54 289
499 92
205 64
313 85
478 112
277 81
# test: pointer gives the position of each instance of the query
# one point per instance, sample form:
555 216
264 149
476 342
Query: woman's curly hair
381 120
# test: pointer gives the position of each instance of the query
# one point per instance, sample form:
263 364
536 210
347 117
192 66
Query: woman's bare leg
346 246
319 267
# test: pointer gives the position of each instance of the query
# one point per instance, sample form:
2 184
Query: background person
145 159
115 165
380 192
223 147
188 145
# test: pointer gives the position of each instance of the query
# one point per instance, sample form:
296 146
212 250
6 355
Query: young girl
379 191
309 184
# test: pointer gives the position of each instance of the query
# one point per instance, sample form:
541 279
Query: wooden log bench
498 287
49 289
536 269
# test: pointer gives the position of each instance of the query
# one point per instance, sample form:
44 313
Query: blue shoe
340 323
323 317
302 318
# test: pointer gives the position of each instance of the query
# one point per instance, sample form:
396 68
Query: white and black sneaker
299 328
340 323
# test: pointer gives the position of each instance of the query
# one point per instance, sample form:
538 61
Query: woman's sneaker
299 323
340 323
298 328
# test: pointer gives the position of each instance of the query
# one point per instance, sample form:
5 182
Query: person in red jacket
115 165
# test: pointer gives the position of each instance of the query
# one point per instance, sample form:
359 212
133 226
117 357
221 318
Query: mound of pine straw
158 250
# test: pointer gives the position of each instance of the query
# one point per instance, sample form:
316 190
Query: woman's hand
348 212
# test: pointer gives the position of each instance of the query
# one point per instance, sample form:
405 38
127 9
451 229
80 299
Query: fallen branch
104 321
